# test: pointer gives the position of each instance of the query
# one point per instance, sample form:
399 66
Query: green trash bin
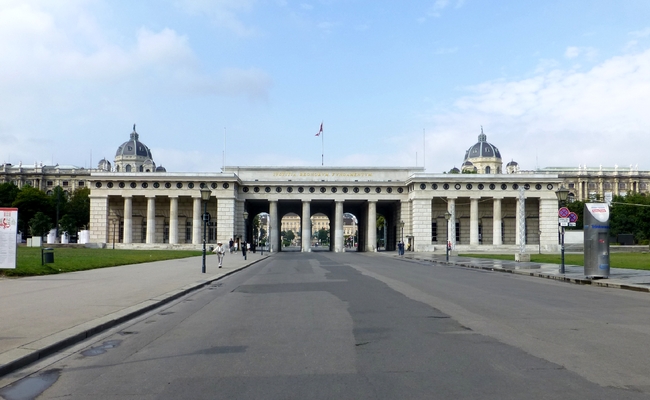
47 255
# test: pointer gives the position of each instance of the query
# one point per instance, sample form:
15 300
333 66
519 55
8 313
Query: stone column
451 207
473 222
151 219
371 244
306 226
496 223
275 228
128 220
520 222
339 245
196 221
173 220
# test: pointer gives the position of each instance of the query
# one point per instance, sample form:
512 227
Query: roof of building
133 147
482 149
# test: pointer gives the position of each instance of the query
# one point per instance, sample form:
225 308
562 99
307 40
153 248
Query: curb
26 354
577 281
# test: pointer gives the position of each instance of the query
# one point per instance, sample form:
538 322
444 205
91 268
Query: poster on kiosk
596 237
8 231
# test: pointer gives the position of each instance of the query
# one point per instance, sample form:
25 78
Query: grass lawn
28 259
616 260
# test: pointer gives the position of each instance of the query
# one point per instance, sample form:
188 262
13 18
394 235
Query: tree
30 201
630 214
40 224
8 193
323 235
59 200
68 225
289 235
78 208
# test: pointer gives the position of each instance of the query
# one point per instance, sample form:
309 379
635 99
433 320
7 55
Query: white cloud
589 53
641 33
223 13
63 70
564 117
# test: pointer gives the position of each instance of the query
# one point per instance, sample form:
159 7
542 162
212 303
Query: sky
208 83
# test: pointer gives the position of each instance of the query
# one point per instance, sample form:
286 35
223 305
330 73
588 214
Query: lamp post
562 195
447 217
205 197
243 247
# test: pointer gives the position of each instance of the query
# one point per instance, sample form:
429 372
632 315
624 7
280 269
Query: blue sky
553 83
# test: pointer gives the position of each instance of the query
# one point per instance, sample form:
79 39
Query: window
457 232
81 183
434 232
188 231
621 185
607 186
50 183
143 231
488 170
572 185
592 186
128 168
64 183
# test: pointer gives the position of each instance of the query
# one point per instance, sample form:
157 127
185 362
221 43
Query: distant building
131 156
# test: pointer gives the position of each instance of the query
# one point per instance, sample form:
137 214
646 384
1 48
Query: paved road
365 326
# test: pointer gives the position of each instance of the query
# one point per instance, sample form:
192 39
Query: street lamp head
447 215
401 224
205 194
562 194
245 215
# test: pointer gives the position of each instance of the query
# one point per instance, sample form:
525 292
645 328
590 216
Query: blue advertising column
596 240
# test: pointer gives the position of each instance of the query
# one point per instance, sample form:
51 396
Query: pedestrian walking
243 249
220 253
231 245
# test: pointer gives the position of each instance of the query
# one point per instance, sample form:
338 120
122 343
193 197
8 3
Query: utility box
596 240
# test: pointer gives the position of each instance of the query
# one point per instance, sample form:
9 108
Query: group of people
220 251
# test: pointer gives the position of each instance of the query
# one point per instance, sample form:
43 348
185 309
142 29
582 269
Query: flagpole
322 148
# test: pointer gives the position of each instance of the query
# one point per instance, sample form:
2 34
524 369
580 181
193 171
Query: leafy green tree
69 225
323 235
40 224
59 201
78 208
8 193
630 214
289 235
30 201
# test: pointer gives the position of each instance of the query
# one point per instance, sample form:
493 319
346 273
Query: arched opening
290 237
128 168
320 232
351 232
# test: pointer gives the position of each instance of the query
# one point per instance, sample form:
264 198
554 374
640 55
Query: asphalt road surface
358 326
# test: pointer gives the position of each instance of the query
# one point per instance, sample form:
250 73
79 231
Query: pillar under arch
339 245
371 243
306 226
274 226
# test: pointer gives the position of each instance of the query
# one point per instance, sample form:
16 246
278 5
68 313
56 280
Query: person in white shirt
220 253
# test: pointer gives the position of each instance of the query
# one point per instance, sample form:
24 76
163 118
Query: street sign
573 218
564 212
564 221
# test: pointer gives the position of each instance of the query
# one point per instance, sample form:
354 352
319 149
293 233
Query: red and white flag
320 130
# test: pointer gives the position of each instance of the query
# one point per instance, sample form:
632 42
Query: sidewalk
630 279
36 313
